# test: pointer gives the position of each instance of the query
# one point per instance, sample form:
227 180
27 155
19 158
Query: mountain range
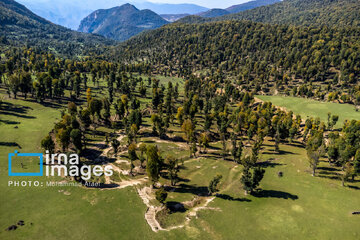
21 26
69 13
121 23
317 15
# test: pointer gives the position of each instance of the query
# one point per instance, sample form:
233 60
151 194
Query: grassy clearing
312 108
295 206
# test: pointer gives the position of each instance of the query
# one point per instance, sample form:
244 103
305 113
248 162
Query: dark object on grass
16 127
356 213
11 228
280 174
21 223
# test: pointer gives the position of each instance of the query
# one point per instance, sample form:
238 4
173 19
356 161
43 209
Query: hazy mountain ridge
121 23
215 12
218 12
250 5
69 13
21 26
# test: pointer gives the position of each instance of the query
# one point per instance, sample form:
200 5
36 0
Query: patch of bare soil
195 205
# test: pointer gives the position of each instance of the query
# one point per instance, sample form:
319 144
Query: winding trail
150 214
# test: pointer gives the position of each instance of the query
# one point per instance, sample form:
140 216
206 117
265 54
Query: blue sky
205 3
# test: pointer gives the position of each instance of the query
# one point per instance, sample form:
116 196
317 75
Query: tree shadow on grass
10 144
17 115
176 139
268 163
15 110
97 145
332 177
51 105
328 172
354 187
281 152
298 145
10 107
92 156
274 194
328 169
230 198
9 122
174 206
185 188
213 147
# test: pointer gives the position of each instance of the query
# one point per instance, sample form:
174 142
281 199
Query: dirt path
104 154
129 183
125 183
193 211
150 214
119 170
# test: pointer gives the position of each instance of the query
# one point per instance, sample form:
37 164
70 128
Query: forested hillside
19 26
255 53
250 5
341 13
305 12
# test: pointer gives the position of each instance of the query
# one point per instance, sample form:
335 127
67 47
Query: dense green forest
341 13
305 61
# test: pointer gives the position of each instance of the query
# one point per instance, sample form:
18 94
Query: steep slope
121 23
215 12
250 5
304 12
21 26
250 51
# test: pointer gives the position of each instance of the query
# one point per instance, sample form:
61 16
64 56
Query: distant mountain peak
127 6
121 23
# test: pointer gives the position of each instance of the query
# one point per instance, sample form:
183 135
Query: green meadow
312 108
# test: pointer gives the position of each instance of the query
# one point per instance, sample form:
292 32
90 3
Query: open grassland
312 108
295 206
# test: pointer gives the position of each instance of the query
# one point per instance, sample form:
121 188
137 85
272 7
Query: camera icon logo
25 174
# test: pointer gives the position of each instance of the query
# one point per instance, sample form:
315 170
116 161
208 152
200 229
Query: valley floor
295 206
